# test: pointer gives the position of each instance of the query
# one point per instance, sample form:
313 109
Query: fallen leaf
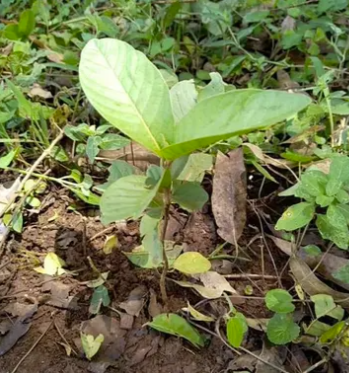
18 309
18 330
275 355
312 285
197 315
126 321
91 345
55 57
154 307
60 295
288 23
5 326
114 341
68 349
38 91
53 265
214 280
229 195
173 324
135 301
214 285
191 263
110 244
258 324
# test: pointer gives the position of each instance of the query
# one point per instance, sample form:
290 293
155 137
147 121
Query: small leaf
342 274
100 297
150 221
192 263
332 333
26 23
33 201
110 244
282 329
176 325
190 196
91 345
296 216
198 315
53 265
280 301
191 168
99 281
323 304
314 182
17 222
6 160
339 169
312 250
236 329
336 218
330 232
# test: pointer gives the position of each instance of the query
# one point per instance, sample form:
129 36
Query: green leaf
150 221
110 244
342 274
317 328
17 222
256 16
215 87
128 197
92 147
324 201
332 333
336 218
312 250
191 168
339 169
344 209
113 141
91 345
117 170
183 98
26 23
190 196
141 257
330 232
135 99
6 160
325 306
314 182
175 325
11 32
282 329
198 315
280 301
296 216
236 329
192 263
100 296
229 114
342 196
333 187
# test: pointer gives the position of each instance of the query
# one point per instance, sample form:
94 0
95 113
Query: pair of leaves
137 101
53 265
91 345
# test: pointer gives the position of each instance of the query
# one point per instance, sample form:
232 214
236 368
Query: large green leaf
296 216
232 113
128 91
128 197
171 323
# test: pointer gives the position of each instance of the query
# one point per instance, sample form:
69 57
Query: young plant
321 191
131 94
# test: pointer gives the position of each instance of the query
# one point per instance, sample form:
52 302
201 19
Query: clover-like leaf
280 301
91 345
282 329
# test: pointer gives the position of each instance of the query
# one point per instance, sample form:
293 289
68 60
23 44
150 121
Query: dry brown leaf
275 355
38 91
288 23
55 57
229 195
134 154
305 277
135 301
214 280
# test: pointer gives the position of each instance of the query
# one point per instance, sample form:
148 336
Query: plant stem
167 204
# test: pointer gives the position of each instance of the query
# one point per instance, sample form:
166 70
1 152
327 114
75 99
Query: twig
103 232
63 337
313 367
167 204
253 276
36 164
31 348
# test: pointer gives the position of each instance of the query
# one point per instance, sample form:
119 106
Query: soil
75 235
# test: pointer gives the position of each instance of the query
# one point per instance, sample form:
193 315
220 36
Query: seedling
321 191
131 94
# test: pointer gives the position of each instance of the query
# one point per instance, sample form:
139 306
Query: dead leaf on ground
60 295
134 154
154 307
288 24
257 324
98 366
18 309
18 330
275 355
213 285
242 362
135 301
126 321
38 91
306 278
55 57
114 341
229 195
5 326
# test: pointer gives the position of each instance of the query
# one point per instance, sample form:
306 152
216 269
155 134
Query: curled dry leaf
134 154
135 301
38 91
312 285
229 195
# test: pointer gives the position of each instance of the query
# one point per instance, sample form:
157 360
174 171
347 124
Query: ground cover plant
174 186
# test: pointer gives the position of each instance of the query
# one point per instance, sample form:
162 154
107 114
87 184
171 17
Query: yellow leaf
52 265
192 263
110 244
198 315
90 344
